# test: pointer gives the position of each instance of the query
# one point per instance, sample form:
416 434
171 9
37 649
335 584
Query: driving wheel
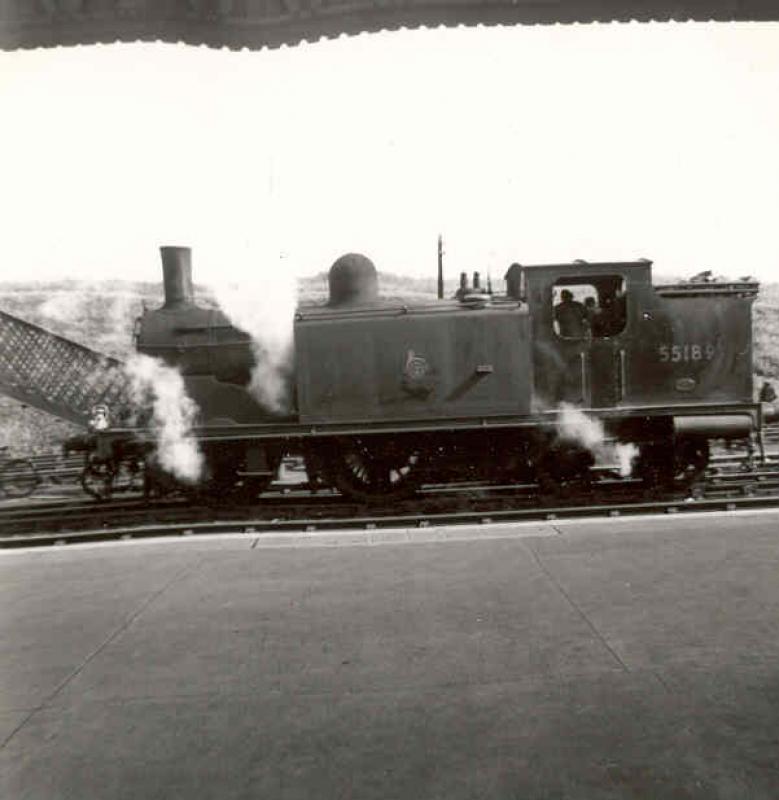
371 471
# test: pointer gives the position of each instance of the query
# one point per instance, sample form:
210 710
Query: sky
529 144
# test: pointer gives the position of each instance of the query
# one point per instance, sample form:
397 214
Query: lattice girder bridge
59 376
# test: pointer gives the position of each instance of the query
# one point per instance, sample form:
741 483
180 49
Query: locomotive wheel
224 483
372 472
558 468
665 465
692 458
97 480
316 469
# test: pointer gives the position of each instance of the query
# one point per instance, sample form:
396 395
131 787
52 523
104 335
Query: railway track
303 526
726 486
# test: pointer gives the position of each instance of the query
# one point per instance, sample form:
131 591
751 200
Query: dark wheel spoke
368 472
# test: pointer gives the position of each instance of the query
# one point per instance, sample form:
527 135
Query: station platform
628 658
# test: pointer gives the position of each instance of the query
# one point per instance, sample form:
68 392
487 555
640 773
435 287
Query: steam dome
353 280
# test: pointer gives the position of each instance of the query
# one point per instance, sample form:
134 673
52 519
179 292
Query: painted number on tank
686 352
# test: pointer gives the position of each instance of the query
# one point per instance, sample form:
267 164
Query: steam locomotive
385 395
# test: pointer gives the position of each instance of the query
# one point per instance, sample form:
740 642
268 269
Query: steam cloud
156 385
573 425
102 310
265 309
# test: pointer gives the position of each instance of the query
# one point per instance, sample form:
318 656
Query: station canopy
256 24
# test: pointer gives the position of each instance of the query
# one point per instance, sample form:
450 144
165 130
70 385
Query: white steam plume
161 387
626 458
573 425
264 307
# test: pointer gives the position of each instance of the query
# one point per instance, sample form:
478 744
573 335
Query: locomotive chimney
177 275
476 282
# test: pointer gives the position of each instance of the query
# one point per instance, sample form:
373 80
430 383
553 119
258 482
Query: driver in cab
571 317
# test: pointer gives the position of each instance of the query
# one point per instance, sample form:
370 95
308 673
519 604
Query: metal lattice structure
56 375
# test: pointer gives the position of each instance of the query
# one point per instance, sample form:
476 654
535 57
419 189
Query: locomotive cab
606 339
584 318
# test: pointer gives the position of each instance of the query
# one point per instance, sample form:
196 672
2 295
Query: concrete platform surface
618 659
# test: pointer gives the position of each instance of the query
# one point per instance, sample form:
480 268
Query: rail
306 512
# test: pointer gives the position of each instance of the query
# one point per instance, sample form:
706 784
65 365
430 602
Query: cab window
595 309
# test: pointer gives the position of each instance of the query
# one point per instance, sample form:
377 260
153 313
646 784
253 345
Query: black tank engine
384 395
